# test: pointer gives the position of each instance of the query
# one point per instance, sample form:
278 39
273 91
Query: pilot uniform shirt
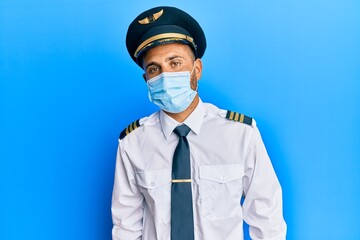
228 162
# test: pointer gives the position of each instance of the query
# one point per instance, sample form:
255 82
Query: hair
141 57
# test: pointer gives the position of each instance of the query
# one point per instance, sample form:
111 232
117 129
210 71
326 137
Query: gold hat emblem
152 18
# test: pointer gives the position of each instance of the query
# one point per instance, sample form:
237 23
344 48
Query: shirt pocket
221 190
155 185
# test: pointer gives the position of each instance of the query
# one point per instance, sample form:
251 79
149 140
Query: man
182 172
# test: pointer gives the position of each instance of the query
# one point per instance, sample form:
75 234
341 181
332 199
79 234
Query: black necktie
182 222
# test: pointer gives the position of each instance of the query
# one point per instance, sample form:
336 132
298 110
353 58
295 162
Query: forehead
164 51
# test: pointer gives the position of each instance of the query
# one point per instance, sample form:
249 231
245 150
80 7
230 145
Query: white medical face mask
171 91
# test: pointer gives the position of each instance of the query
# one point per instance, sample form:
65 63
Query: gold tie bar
180 180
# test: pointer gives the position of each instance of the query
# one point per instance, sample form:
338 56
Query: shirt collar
193 121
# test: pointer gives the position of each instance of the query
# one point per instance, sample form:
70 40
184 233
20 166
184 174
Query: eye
175 64
153 69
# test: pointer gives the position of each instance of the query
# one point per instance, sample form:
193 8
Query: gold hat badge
152 18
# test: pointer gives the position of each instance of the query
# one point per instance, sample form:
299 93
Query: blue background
68 87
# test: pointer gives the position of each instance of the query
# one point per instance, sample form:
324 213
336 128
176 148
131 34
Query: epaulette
129 129
238 117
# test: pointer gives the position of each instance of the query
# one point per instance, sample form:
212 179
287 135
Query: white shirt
228 161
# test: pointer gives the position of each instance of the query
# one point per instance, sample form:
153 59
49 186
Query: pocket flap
222 173
153 179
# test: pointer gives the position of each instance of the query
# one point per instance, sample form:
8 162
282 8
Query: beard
193 82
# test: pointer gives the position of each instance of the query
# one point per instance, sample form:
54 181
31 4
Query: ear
198 68
144 77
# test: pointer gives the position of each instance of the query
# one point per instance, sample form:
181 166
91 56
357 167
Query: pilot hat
161 25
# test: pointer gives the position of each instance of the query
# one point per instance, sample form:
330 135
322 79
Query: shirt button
152 184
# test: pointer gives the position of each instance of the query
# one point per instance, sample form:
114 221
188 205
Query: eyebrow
168 59
173 57
151 64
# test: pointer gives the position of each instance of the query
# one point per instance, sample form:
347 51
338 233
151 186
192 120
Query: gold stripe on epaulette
237 117
129 129
242 118
134 126
231 116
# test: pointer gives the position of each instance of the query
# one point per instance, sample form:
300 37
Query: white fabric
228 161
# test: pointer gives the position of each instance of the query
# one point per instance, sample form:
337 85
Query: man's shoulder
137 124
228 115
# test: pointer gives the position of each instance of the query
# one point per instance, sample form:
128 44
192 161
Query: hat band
164 36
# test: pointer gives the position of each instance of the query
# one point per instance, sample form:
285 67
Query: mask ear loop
197 85
192 70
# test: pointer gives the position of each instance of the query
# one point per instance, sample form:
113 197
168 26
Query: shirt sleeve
262 206
127 201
